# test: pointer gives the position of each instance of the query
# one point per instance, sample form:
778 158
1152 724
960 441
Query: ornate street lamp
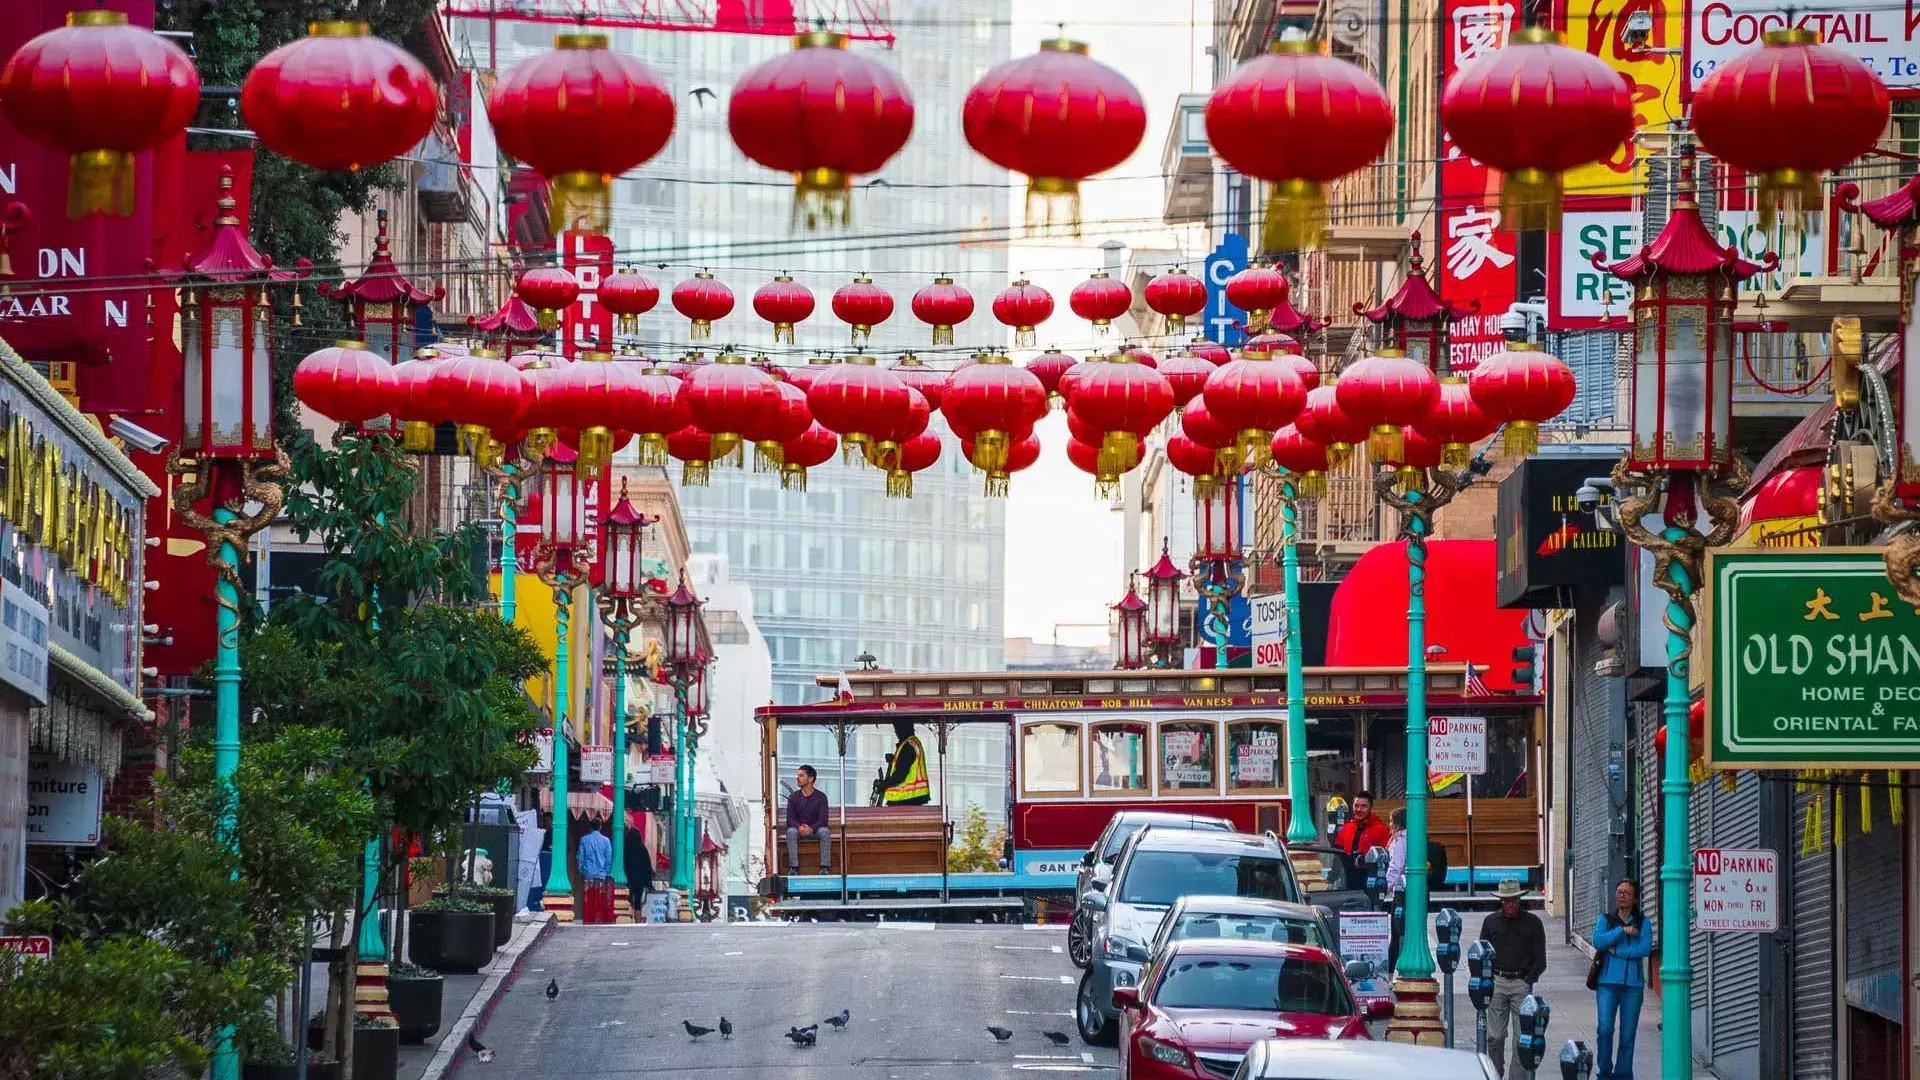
622 601
1681 461
563 562
1415 320
382 306
686 663
1215 568
1131 614
1163 609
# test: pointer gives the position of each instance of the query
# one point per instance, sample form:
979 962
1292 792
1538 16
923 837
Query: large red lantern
659 408
917 454
882 450
1321 421
1534 110
1023 306
931 384
339 98
1049 367
581 114
788 419
548 290
1788 111
728 398
854 399
1255 396
1187 375
996 402
481 392
783 302
1257 290
943 305
1022 453
1089 459
1456 422
704 302
412 378
1386 391
1100 300
1306 461
1299 120
584 397
628 295
102 91
823 114
1059 116
1176 296
1417 454
1123 400
1522 388
815 446
862 305
345 382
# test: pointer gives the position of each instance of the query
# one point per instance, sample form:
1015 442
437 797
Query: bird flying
702 95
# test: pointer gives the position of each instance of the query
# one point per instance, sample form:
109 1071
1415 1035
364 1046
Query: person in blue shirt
1623 940
595 859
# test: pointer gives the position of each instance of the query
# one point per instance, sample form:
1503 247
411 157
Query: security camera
1639 29
136 436
1588 497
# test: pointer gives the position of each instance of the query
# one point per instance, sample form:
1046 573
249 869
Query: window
727 628
1233 927
1255 763
1162 876
1050 759
1187 757
1265 984
1120 759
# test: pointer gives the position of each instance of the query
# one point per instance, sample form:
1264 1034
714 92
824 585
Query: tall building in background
839 570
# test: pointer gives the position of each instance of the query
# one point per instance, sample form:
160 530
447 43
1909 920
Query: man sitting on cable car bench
807 816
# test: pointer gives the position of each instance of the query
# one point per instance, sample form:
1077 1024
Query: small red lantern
823 114
1089 459
1059 116
1187 374
855 398
345 382
931 384
1522 388
1257 290
581 114
1534 110
996 402
1386 391
1143 356
1023 306
1299 120
628 295
339 98
659 408
1176 296
1211 351
803 377
1321 421
1123 400
480 392
943 305
704 302
411 379
692 447
783 303
917 454
1022 453
1255 396
815 446
1456 422
862 305
729 397
1048 367
1199 425
548 290
1194 460
1305 460
788 420
102 91
1787 112
1416 455
882 450
1100 300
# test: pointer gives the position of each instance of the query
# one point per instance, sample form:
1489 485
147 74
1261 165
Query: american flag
1476 687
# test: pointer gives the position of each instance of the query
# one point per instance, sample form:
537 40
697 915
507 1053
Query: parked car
1241 918
1206 1002
1297 1059
1156 868
1097 865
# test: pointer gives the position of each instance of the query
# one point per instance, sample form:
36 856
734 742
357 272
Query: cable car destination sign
1815 662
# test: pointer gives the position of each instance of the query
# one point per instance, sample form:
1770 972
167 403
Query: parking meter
1374 863
1576 1060
1336 817
1480 988
1446 953
1532 1044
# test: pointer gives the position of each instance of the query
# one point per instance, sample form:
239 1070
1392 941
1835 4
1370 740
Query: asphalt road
921 996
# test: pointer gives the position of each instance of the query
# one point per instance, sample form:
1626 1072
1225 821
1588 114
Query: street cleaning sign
1736 890
1813 661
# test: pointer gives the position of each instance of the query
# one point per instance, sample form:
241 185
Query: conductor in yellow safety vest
906 779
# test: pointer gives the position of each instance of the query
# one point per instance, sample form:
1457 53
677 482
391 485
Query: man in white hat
1519 959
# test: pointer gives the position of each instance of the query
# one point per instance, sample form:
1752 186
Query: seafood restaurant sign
1813 661
1881 35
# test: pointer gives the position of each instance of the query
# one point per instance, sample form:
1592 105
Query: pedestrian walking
1519 959
595 859
1622 941
639 864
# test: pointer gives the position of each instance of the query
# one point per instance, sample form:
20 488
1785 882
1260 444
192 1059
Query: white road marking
1086 1057
1050 1057
619 942
733 954
1067 980
1025 948
1036 978
1029 1012
1054 948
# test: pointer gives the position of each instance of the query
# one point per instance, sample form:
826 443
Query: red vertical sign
1476 258
586 325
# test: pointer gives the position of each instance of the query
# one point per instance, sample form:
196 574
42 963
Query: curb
452 1051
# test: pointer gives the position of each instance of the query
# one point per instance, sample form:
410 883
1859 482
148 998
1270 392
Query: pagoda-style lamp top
1416 315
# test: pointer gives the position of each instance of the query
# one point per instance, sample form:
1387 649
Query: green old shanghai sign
1815 662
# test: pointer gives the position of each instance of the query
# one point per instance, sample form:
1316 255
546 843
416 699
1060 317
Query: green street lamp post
686 661
623 603
562 561
1300 831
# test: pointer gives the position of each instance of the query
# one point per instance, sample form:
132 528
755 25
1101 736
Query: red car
1202 1003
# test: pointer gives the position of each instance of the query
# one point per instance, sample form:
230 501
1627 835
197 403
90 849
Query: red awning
1368 623
1789 493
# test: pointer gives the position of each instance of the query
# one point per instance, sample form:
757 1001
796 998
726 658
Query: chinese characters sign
1814 662
1736 890
1476 258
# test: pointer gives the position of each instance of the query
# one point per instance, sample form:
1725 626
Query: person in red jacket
1361 834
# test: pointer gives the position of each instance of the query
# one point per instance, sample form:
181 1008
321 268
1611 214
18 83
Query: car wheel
1095 1028
1080 941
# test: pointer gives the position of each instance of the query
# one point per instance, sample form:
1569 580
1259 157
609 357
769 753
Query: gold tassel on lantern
1386 442
1866 805
653 449
1025 336
1810 834
1256 447
1839 819
1339 454
990 451
491 454
783 332
596 447
1794 192
853 447
1119 451
582 202
1205 487
1053 206
1410 478
899 484
727 450
766 457
1296 216
997 484
1896 799
472 439
882 455
1455 457
1522 439
1227 461
416 437
1530 200
822 197
1106 486
793 477
101 182
548 318
1310 486
694 474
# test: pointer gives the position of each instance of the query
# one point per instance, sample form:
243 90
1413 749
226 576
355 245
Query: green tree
976 848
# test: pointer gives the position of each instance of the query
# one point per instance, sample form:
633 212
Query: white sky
1063 545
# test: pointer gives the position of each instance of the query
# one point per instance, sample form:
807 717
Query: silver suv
1156 868
1097 865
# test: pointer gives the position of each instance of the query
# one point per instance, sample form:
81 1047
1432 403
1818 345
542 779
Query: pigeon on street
480 1051
1056 1038
999 1034
694 1029
802 1036
838 1023
553 989
726 1028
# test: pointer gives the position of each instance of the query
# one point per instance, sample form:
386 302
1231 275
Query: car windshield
1161 877
1289 984
1294 931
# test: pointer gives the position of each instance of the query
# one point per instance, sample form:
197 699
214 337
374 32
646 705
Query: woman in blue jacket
1623 940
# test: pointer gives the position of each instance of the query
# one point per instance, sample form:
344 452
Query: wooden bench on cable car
884 840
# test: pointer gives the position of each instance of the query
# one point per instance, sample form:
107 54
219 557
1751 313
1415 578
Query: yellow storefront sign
1600 28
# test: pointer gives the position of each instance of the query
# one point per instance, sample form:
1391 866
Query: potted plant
276 1061
451 934
414 995
501 900
376 1048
